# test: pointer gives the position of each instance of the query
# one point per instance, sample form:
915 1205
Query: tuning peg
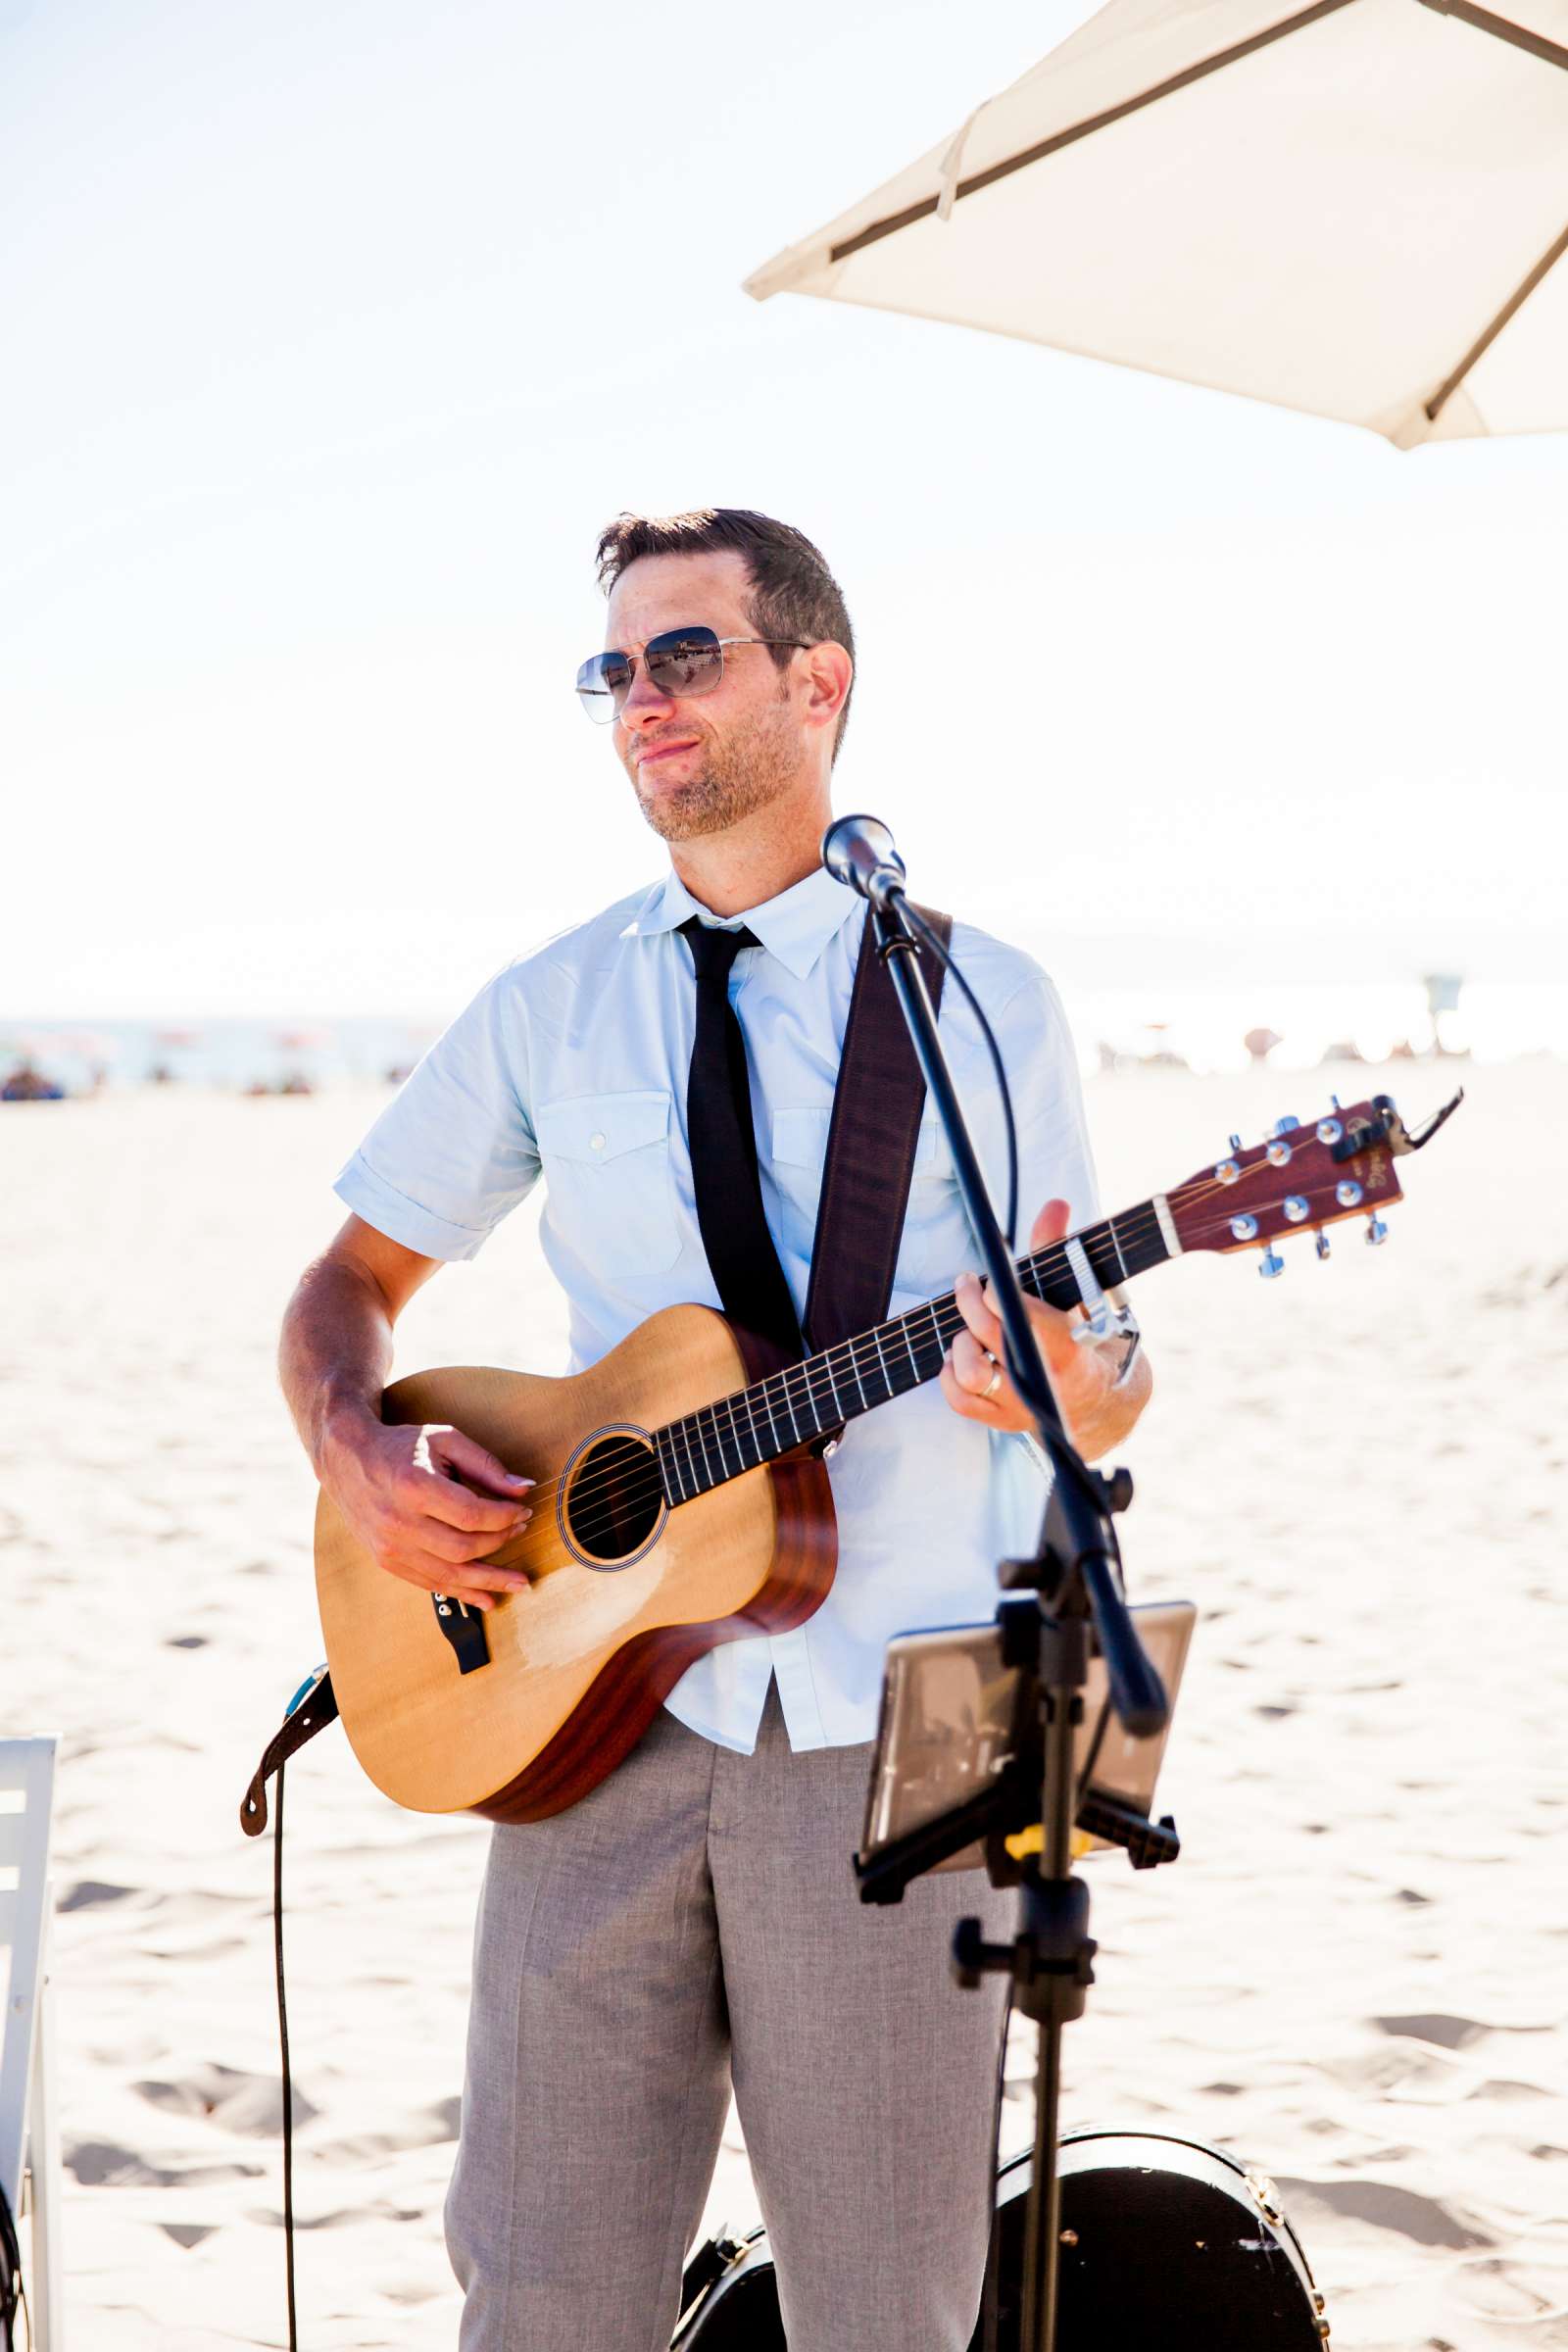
1347 1193
1270 1263
1321 1245
1286 1124
1377 1233
1244 1228
1235 1142
1328 1131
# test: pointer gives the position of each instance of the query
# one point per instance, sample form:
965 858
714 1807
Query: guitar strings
793 1385
947 1321
646 1481
791 1382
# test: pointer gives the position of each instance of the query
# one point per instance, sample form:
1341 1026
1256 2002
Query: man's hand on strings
432 1505
974 1378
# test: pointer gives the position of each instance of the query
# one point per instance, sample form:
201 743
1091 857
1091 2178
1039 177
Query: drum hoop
742 2252
1260 2185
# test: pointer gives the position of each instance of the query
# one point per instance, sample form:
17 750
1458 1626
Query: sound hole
615 1499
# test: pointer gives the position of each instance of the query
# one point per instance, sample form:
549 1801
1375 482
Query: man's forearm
335 1352
426 1502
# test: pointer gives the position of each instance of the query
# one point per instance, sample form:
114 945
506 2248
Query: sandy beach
1356 1977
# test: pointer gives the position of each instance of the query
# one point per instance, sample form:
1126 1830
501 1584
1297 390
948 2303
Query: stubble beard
747 771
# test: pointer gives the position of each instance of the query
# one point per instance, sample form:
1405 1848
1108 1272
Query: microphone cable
929 939
1064 1462
287 2070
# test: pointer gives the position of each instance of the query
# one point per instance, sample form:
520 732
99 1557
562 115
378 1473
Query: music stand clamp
1074 1577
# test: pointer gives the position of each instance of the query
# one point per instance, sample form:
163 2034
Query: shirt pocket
612 1188
799 1147
936 1246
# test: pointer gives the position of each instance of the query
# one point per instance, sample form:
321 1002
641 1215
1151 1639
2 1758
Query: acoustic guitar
679 1503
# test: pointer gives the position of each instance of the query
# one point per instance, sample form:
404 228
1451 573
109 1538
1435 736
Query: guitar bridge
464 1628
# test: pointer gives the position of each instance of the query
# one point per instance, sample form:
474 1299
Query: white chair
30 2124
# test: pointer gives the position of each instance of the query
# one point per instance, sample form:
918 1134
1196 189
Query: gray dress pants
691 1925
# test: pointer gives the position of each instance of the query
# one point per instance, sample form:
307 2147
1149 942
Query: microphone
857 851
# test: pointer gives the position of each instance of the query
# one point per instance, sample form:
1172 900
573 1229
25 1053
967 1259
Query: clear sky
335 330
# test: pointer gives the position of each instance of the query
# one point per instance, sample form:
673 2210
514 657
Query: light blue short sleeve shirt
571 1064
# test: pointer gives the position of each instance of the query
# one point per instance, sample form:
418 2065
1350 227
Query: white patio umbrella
1357 208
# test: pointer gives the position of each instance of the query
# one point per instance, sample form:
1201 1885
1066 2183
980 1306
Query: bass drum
1168 2246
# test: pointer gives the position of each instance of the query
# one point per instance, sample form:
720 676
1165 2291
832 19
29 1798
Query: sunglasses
678 661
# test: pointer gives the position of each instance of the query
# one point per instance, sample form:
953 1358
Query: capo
1419 1140
1389 1128
1106 1318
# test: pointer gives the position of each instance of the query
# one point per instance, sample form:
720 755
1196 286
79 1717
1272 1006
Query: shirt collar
796 926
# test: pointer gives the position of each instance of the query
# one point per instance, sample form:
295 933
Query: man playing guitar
691 1925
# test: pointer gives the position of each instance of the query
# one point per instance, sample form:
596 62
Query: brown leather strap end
313 1713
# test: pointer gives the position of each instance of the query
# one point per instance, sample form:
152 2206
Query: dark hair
793 592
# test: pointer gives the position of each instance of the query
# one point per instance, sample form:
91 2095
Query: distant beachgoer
26 1084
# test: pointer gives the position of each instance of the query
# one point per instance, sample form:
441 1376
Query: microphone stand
1075 1579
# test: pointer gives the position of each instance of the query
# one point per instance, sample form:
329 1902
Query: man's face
700 764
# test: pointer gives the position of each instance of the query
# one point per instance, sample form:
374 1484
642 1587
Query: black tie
724 1151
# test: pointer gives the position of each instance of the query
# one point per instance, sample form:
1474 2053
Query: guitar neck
771 1419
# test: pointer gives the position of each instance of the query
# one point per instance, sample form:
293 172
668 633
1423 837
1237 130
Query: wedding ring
994 1383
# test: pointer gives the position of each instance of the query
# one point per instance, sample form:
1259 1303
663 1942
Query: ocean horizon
1204 1029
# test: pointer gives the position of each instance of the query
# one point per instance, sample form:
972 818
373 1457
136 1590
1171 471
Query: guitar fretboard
790 1408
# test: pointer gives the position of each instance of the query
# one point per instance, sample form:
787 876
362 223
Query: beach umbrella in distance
1357 208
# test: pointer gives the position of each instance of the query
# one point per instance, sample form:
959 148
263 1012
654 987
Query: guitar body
625 1592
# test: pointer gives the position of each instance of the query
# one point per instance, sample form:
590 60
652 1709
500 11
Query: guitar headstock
1300 1180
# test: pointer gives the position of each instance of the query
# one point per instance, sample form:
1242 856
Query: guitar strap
870 1149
